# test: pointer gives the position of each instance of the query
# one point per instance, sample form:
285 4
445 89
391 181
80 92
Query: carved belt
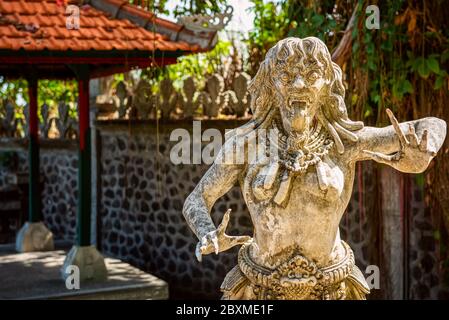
298 278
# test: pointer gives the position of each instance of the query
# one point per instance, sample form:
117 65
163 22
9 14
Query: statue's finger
423 143
224 223
206 244
413 138
198 254
397 128
206 249
205 240
216 246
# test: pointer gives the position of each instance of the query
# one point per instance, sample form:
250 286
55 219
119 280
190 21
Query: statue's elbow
187 206
192 203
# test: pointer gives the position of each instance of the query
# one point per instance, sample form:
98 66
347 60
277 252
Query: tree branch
342 52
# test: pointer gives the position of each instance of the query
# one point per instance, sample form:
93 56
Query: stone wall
424 273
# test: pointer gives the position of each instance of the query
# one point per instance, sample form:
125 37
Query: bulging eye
313 76
284 76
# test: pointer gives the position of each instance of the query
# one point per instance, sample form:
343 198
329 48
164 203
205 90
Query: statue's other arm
408 146
218 180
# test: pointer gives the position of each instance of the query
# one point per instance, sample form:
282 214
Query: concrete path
36 275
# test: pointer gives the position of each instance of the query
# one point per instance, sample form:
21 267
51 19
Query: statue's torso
309 219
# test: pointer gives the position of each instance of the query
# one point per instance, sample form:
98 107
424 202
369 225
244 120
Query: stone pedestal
34 236
89 261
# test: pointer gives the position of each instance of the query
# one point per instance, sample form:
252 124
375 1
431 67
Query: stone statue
297 195
188 99
8 120
168 98
212 98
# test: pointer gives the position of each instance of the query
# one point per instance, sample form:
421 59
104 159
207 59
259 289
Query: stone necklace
296 155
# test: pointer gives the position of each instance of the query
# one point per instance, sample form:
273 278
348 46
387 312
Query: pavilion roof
35 32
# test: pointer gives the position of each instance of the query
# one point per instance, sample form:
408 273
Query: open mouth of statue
301 103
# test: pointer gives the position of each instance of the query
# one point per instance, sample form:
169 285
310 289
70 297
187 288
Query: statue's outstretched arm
408 146
218 180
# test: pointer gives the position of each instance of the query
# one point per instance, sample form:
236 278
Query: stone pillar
34 235
392 267
83 255
94 91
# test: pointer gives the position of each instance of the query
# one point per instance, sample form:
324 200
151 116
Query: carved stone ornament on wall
207 23
212 98
62 126
8 121
189 104
66 126
168 98
298 193
189 101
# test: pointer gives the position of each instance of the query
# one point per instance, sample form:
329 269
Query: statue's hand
218 241
414 154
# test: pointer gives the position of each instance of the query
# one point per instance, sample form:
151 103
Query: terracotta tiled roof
35 25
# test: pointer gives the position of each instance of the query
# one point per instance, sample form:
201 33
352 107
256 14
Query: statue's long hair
332 114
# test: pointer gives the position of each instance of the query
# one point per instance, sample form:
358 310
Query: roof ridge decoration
207 23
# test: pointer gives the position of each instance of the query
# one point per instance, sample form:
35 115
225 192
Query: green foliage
199 66
187 7
306 21
154 6
50 92
385 65
270 23
396 57
12 90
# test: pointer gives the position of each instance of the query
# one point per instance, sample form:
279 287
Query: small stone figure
45 125
169 98
67 126
189 105
122 94
240 86
297 194
212 98
143 102
8 122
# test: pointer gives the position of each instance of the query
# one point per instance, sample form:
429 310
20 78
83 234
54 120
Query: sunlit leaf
433 65
422 68
439 82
